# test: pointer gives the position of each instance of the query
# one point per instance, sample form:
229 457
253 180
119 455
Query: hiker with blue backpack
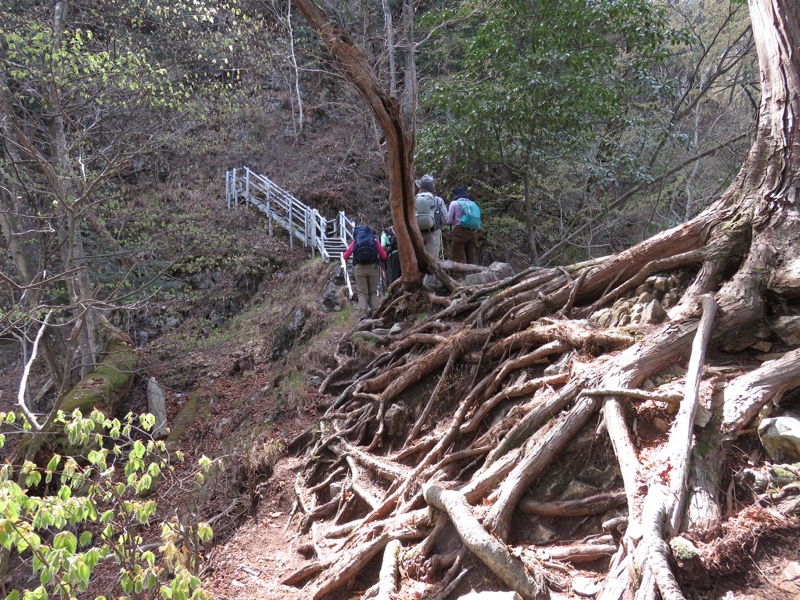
466 216
367 254
431 212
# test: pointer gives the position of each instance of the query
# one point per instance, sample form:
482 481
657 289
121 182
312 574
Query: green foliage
66 517
530 85
534 78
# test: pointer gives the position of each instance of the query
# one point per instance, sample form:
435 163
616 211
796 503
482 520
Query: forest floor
253 401
256 550
252 405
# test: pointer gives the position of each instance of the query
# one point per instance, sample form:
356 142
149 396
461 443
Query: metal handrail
303 223
347 283
329 237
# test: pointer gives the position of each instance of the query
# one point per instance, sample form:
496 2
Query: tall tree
399 135
87 92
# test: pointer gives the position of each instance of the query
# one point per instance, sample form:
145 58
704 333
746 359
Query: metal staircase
329 237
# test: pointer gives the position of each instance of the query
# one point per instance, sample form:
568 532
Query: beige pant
367 288
433 244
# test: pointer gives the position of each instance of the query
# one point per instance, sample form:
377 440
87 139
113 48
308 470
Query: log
536 461
110 382
703 512
746 395
576 553
352 560
653 549
490 551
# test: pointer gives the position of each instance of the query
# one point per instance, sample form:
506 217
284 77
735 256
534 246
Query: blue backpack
365 252
470 214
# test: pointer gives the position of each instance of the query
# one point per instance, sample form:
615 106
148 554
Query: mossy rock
109 383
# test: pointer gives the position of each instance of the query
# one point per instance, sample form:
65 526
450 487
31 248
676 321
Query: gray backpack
426 205
438 216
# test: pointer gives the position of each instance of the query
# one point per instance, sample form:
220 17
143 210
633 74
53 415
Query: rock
596 477
670 299
602 317
288 334
578 489
660 425
220 426
636 313
792 571
205 280
542 535
780 437
662 284
703 416
762 346
787 328
687 556
494 272
395 420
586 587
333 292
653 313
331 296
396 328
645 298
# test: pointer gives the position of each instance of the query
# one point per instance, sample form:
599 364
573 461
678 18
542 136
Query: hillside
588 420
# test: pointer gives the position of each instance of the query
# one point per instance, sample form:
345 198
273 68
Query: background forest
581 128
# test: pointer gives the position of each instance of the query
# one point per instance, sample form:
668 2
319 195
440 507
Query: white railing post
346 275
291 237
309 235
269 207
235 190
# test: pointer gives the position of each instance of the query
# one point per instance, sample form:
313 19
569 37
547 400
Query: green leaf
66 540
54 462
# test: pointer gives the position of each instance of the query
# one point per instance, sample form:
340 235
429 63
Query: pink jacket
349 251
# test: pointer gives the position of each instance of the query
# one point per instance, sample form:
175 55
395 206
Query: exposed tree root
518 422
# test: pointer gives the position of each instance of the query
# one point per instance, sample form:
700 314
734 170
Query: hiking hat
459 192
426 183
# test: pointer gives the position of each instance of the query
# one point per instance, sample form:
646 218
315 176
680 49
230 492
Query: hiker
431 214
389 242
466 216
367 253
